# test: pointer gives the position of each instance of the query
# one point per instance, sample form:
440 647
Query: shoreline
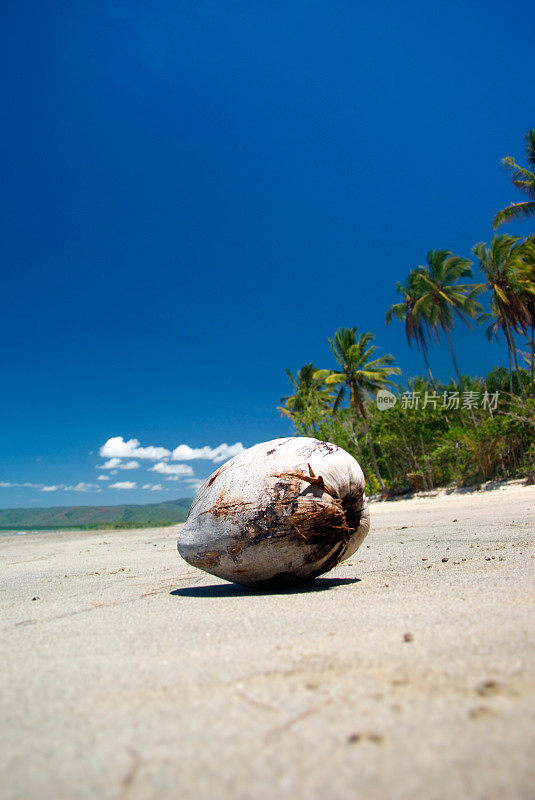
443 493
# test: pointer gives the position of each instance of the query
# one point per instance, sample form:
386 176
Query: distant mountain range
125 516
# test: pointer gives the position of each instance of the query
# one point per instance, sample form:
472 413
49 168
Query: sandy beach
408 672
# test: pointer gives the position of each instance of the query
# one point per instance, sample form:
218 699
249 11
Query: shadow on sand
235 590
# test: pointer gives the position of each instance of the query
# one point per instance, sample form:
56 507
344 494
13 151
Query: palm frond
514 212
398 310
519 175
530 148
335 378
524 180
360 370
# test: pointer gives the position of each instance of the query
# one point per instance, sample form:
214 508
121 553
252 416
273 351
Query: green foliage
524 180
362 374
356 368
417 325
499 380
309 388
441 296
426 447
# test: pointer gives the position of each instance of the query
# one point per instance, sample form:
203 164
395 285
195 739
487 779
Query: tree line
435 434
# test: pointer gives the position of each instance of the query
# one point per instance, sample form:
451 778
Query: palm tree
360 373
501 265
415 324
523 179
442 297
309 389
496 324
527 272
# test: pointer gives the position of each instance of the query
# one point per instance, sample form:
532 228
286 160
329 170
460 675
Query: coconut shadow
236 590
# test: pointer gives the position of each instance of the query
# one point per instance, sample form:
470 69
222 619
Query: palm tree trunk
424 351
532 366
506 337
515 362
356 402
459 379
354 438
426 463
510 365
420 341
373 456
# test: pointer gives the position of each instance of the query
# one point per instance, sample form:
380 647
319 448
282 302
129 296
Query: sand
408 672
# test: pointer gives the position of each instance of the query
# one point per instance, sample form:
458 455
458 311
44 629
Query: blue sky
197 194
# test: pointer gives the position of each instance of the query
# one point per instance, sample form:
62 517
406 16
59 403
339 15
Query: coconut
277 514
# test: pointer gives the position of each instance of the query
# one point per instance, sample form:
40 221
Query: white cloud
157 487
79 487
116 447
110 464
220 453
116 463
103 478
171 469
123 485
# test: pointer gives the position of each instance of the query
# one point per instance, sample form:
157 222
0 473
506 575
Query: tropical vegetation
419 433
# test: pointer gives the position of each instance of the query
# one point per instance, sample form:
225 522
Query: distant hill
127 516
